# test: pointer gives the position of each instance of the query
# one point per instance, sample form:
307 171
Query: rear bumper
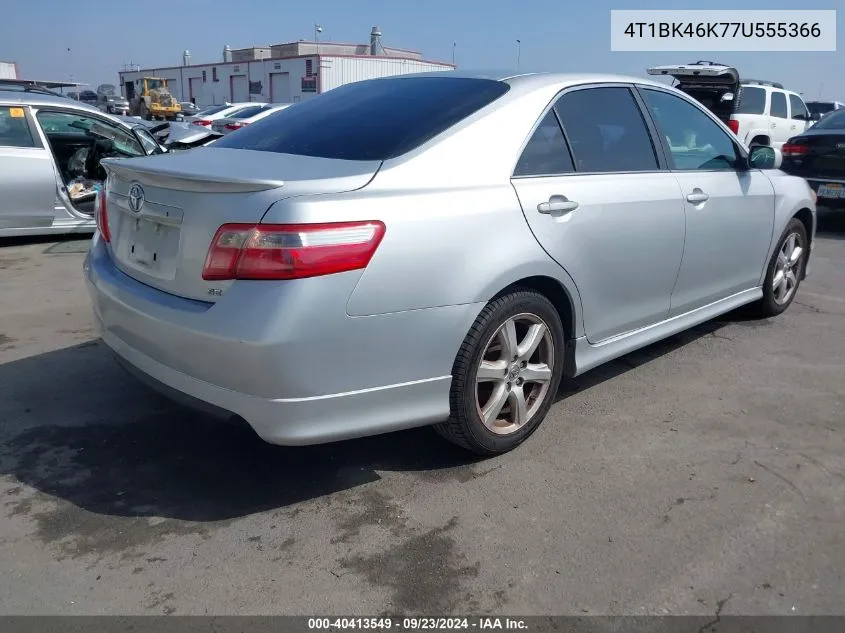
299 370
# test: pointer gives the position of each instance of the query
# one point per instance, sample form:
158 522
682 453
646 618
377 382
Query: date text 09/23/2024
416 624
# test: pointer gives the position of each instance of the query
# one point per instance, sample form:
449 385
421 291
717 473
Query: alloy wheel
787 269
514 374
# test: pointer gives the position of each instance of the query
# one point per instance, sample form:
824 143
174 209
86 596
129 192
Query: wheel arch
806 218
555 292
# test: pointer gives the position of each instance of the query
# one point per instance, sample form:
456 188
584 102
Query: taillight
733 124
235 126
290 251
102 216
201 122
791 149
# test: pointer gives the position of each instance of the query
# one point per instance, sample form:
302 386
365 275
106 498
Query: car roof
535 79
40 99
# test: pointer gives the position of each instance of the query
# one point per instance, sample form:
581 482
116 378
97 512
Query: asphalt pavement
702 475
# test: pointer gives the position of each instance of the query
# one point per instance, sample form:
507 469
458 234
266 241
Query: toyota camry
437 249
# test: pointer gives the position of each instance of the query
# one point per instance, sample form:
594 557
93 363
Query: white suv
758 112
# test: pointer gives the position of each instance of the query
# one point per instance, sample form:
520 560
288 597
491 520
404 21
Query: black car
89 97
818 155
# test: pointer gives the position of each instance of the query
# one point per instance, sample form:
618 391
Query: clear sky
556 35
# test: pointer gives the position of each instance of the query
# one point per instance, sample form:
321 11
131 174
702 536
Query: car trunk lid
817 154
713 85
163 211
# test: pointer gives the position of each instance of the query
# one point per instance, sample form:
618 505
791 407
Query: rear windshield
248 112
213 110
835 121
369 120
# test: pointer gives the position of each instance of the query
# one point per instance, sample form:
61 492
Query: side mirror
764 157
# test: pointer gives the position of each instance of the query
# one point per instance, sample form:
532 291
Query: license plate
145 240
832 190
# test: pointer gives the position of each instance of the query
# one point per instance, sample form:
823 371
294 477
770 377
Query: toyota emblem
136 198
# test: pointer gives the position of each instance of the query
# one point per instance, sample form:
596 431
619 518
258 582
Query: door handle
557 204
698 197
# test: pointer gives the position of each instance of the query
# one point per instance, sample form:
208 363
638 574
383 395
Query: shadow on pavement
78 428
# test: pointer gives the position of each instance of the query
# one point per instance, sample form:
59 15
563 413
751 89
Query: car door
598 198
27 177
780 123
799 114
68 131
729 207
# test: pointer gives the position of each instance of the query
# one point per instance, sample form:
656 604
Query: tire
777 300
525 309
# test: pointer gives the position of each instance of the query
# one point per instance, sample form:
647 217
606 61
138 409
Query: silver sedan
437 249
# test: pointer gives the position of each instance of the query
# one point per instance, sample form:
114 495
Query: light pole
317 30
454 44
518 52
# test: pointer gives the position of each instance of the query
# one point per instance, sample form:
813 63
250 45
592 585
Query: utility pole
518 52
317 30
454 44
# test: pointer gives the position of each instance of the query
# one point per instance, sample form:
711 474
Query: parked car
819 156
758 112
438 248
89 97
188 108
50 151
210 114
819 108
245 117
114 104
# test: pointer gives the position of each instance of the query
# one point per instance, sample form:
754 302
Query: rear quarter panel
442 247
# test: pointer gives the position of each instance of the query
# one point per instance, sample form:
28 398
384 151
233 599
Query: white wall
233 80
337 71
286 80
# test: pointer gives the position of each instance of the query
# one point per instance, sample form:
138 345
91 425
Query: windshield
817 107
835 121
369 120
154 84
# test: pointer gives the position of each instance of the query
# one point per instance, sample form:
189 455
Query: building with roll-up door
282 73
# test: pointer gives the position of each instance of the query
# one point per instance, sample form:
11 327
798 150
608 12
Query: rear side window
606 131
15 130
799 110
778 108
369 120
546 153
751 101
